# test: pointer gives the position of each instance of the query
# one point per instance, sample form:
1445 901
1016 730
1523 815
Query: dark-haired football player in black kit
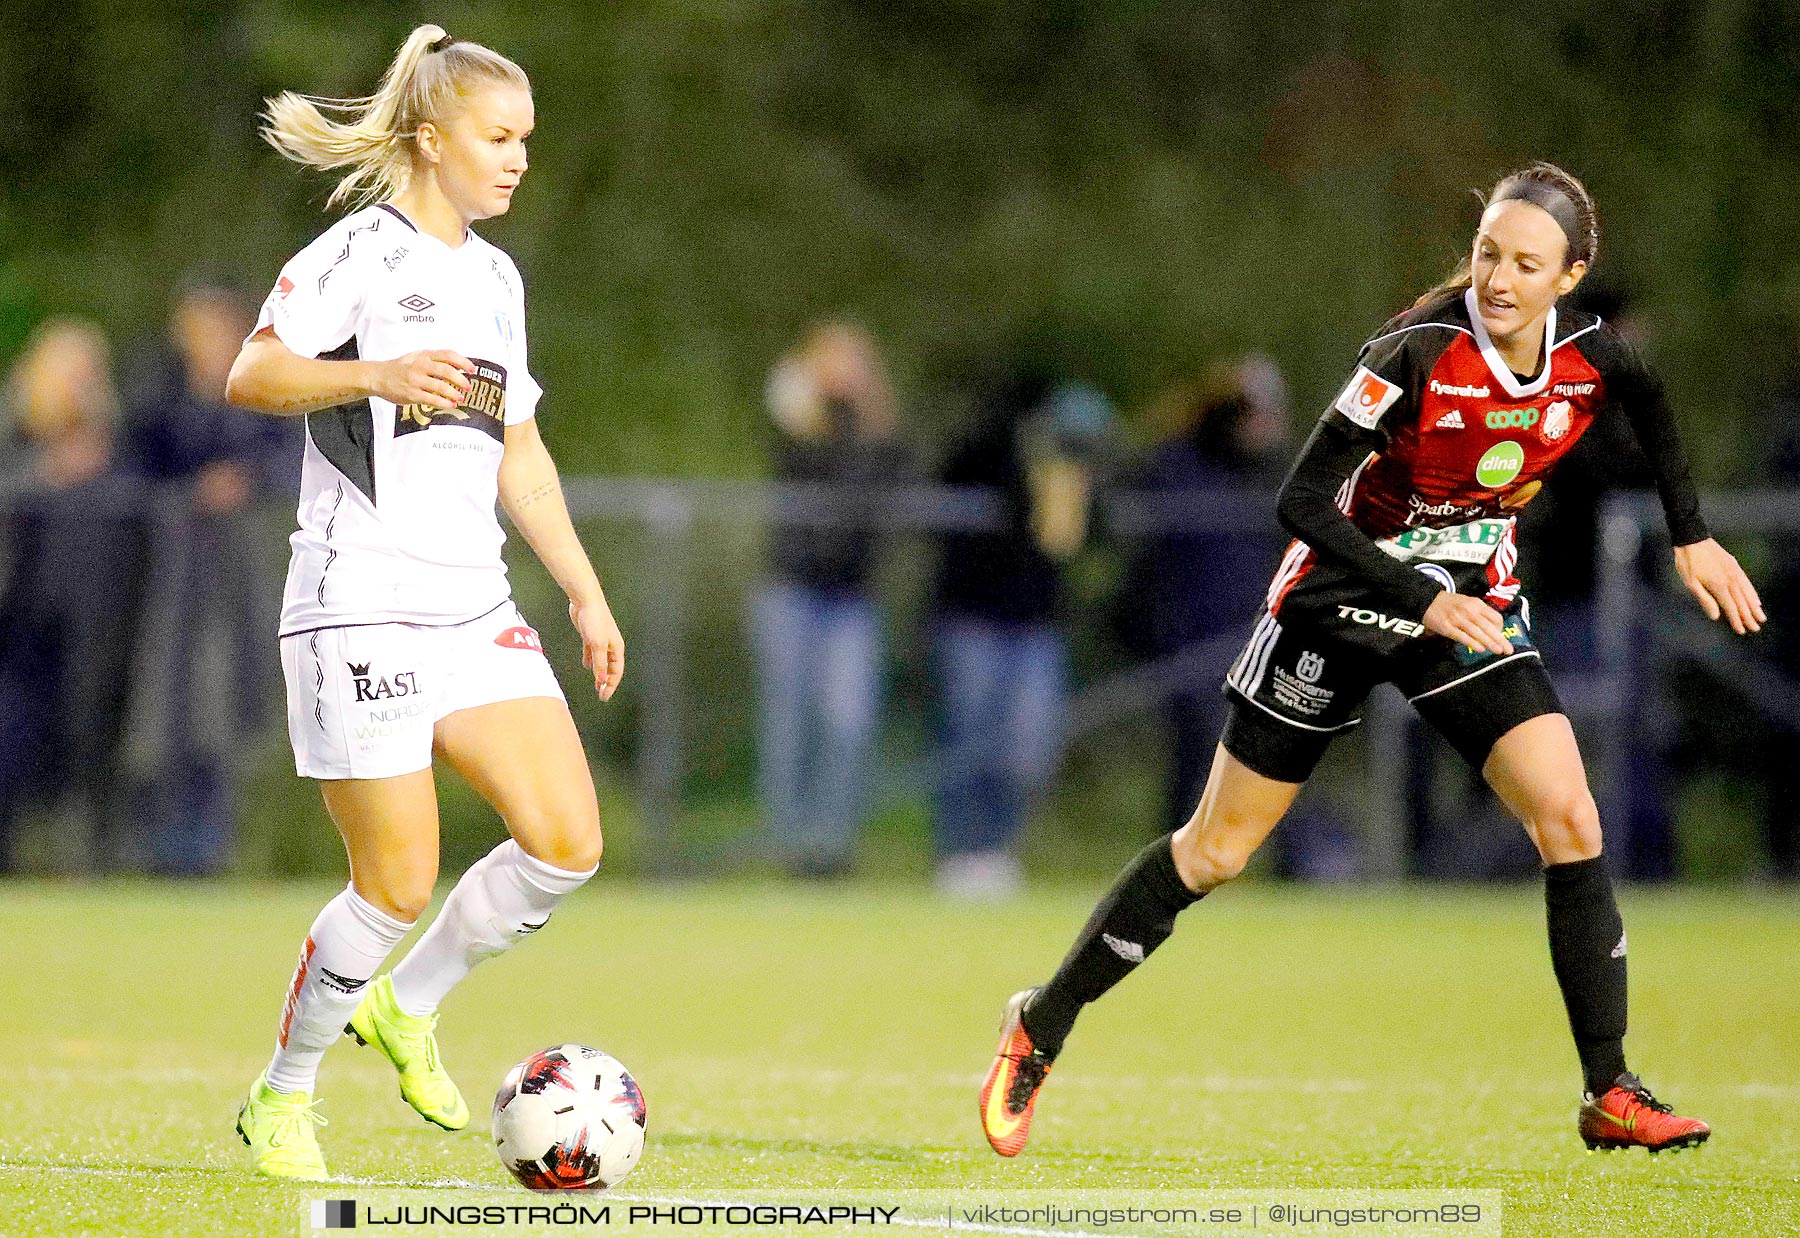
1403 504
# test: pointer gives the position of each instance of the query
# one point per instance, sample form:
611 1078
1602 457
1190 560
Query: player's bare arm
531 493
269 377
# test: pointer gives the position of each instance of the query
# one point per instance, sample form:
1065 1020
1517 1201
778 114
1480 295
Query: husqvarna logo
1310 666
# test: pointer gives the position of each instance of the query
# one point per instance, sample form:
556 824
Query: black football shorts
1294 689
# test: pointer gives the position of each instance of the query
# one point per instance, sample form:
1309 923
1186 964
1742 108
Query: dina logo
382 688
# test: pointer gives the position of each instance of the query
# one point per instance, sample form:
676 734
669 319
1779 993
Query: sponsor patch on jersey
1523 495
484 408
1500 463
1512 419
1366 397
1474 542
1419 508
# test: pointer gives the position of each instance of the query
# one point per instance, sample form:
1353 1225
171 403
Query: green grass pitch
803 1040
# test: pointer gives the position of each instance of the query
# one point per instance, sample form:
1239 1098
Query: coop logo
418 305
386 688
1468 393
1387 623
1512 418
1367 396
334 1214
520 638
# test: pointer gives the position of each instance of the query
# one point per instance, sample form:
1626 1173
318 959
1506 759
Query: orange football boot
1627 1116
1009 1095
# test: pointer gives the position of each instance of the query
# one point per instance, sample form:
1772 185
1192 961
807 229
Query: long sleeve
1641 396
1307 508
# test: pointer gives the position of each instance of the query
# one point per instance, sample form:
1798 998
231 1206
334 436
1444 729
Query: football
569 1118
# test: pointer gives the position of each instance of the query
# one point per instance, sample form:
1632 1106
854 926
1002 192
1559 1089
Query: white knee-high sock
504 897
342 952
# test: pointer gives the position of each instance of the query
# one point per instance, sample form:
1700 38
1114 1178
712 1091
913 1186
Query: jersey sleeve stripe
1417 326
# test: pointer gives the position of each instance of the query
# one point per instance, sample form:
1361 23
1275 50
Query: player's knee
569 840
1568 827
1207 859
404 898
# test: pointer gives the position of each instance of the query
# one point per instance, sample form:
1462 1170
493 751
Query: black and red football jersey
1445 444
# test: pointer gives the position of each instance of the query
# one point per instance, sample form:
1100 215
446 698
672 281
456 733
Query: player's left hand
602 645
1713 576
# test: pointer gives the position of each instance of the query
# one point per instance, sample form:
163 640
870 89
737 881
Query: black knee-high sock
1587 950
1136 916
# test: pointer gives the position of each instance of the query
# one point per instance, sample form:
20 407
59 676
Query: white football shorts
362 701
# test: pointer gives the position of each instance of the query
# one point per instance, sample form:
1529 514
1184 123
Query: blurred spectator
817 632
1003 658
72 565
203 674
1223 433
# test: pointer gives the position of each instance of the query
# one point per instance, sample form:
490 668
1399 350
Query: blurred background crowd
922 378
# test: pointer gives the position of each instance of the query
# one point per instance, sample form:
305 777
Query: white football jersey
397 519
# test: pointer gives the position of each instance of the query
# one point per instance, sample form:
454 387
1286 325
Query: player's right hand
434 377
1468 621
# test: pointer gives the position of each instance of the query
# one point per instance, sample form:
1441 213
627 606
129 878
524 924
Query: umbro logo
1130 951
1451 420
418 305
342 984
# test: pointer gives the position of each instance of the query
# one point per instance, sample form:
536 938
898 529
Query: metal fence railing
673 520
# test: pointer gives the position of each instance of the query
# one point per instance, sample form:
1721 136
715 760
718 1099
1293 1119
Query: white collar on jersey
1509 382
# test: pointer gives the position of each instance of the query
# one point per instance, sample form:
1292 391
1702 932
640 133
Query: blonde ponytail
430 75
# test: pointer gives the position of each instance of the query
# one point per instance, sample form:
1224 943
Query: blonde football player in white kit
400 336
